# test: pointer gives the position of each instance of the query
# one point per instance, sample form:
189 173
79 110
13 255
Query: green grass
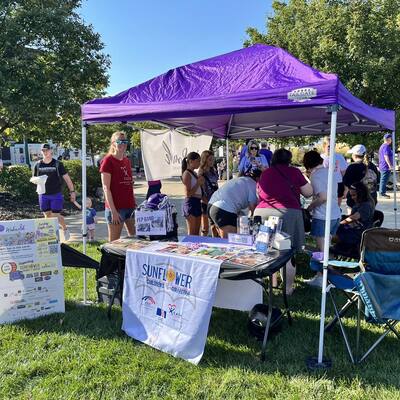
83 355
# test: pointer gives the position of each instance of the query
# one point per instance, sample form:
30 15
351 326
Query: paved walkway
174 189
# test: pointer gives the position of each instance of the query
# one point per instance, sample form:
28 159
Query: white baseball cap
358 150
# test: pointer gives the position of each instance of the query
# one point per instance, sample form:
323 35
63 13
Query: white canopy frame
266 132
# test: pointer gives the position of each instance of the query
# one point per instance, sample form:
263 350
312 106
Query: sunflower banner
168 299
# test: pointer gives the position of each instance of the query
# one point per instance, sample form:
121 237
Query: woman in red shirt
116 177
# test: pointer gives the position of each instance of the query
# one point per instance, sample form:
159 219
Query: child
90 218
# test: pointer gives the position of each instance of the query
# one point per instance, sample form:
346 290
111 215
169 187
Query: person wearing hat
361 170
51 201
386 163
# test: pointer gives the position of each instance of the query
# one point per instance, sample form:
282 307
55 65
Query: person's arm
106 183
70 185
388 161
252 207
319 199
351 218
187 181
306 190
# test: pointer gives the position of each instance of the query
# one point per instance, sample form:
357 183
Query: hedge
15 180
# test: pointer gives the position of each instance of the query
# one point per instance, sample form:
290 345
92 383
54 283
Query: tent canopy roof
259 91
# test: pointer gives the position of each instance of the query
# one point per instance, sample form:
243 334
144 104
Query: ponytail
190 157
184 164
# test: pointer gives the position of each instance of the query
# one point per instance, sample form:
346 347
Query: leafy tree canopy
51 63
357 39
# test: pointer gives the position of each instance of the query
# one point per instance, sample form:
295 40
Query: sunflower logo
170 275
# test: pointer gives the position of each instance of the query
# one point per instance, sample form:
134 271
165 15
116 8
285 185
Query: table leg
285 300
264 345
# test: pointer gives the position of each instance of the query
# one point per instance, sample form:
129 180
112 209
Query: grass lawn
83 355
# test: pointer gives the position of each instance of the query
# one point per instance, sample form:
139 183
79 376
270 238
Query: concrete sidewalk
171 187
174 189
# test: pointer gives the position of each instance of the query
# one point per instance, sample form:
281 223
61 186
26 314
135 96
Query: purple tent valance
259 91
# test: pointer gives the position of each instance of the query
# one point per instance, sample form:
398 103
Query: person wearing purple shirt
386 162
267 153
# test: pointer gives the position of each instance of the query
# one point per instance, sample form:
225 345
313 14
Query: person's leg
130 226
225 230
61 220
114 231
383 182
290 275
193 225
204 225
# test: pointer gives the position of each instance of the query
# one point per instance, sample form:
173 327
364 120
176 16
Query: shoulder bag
306 214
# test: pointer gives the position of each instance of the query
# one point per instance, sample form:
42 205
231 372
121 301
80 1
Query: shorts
340 189
91 227
318 227
220 217
124 213
51 202
191 207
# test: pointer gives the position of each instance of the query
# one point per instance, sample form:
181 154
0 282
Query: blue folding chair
373 281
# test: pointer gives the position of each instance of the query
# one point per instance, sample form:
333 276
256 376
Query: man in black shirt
51 202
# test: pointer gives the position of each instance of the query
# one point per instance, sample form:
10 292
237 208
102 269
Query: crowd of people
274 188
267 185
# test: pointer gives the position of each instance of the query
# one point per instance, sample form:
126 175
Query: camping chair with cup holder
374 282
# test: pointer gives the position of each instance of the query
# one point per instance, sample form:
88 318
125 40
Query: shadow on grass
229 345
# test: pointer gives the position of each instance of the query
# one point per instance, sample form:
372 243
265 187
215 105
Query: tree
51 63
357 39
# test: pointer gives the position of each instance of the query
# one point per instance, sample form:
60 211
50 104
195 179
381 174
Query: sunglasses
122 141
253 148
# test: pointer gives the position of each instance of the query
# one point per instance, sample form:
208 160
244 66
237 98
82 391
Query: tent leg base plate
313 364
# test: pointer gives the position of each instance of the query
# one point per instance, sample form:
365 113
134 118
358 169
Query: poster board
31 274
163 151
150 223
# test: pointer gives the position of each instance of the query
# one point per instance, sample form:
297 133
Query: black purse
306 214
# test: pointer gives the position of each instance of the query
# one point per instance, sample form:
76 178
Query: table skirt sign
167 301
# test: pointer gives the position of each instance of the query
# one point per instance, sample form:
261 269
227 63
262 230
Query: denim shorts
124 213
318 227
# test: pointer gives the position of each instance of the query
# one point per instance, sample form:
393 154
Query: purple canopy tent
259 91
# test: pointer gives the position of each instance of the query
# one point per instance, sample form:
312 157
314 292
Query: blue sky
146 38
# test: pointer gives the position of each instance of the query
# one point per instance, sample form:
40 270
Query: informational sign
150 223
31 275
163 151
167 301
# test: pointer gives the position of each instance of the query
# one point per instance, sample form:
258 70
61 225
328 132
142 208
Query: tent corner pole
84 205
334 110
394 178
228 172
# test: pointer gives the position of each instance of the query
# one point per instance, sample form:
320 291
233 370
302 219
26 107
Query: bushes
15 180
74 169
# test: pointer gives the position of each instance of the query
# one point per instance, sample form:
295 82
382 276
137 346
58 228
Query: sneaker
386 196
67 235
316 281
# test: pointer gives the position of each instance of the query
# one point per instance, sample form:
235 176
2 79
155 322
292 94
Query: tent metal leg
333 109
394 179
346 340
84 205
